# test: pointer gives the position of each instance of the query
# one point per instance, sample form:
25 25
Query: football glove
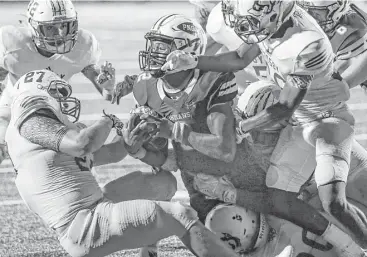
123 88
133 135
215 187
106 78
177 131
116 122
180 60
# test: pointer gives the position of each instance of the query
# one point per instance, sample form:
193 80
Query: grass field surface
120 29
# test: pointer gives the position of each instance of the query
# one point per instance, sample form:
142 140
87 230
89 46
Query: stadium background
119 26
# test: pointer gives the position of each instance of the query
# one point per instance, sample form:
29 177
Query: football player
346 26
51 40
53 165
265 236
311 92
194 110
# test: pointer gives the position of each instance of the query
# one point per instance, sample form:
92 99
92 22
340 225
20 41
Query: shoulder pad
309 51
12 37
140 88
86 50
25 104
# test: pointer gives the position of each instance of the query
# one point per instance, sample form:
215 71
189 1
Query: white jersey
18 54
304 49
226 36
54 185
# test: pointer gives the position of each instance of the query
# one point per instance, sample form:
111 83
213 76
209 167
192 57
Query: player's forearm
214 146
355 74
87 140
284 205
91 72
226 62
267 118
110 153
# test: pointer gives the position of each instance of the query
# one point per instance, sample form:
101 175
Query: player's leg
112 227
141 185
333 138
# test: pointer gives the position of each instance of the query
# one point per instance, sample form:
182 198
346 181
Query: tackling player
310 90
268 235
345 25
53 165
194 109
52 40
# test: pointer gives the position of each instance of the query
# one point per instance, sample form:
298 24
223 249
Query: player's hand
107 76
215 187
133 135
180 60
116 123
123 88
162 127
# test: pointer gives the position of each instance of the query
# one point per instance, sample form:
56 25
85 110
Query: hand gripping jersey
18 54
205 90
302 49
52 184
349 39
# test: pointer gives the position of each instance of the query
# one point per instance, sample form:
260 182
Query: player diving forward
193 109
53 165
52 40
310 90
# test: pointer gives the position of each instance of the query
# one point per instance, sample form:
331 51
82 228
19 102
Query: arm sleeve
49 132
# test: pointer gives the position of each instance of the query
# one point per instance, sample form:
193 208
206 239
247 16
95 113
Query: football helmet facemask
228 7
242 229
53 24
169 33
326 13
258 20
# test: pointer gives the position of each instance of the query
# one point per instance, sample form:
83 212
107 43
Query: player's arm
353 69
110 153
225 62
221 142
54 135
289 99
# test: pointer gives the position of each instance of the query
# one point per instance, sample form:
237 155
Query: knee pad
329 169
167 185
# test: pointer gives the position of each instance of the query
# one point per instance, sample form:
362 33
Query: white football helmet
242 229
257 20
258 96
169 33
326 13
54 25
44 87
